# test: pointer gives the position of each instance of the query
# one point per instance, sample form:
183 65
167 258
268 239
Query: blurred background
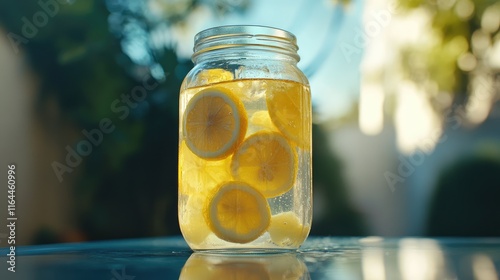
406 136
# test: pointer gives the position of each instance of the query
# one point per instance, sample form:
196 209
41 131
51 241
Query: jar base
244 251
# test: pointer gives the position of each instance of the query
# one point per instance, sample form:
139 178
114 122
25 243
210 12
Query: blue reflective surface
319 258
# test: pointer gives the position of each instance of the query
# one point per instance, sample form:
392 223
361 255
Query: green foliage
81 65
453 31
465 202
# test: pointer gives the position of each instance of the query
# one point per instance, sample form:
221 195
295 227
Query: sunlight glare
420 259
493 56
480 99
373 263
483 268
490 21
416 123
464 9
371 109
480 41
467 62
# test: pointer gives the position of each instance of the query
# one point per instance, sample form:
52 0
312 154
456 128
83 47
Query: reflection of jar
245 142
273 267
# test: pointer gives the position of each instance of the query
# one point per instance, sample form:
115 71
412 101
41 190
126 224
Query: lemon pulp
238 213
289 107
214 123
266 161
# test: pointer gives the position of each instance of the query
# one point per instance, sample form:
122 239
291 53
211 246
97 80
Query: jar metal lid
245 35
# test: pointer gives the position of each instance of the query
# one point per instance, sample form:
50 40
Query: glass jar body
245 168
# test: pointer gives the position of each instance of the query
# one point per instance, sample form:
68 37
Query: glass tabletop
319 258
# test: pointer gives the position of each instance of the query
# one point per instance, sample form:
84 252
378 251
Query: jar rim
231 30
245 35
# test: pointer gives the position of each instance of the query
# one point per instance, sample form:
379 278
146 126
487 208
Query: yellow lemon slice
200 176
287 230
212 76
266 161
289 106
192 223
238 213
214 123
262 120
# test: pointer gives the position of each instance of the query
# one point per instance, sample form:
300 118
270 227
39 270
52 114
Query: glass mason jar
245 142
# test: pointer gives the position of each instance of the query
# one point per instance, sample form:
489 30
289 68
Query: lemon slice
212 76
287 230
192 223
200 176
266 161
262 120
289 106
237 213
214 123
